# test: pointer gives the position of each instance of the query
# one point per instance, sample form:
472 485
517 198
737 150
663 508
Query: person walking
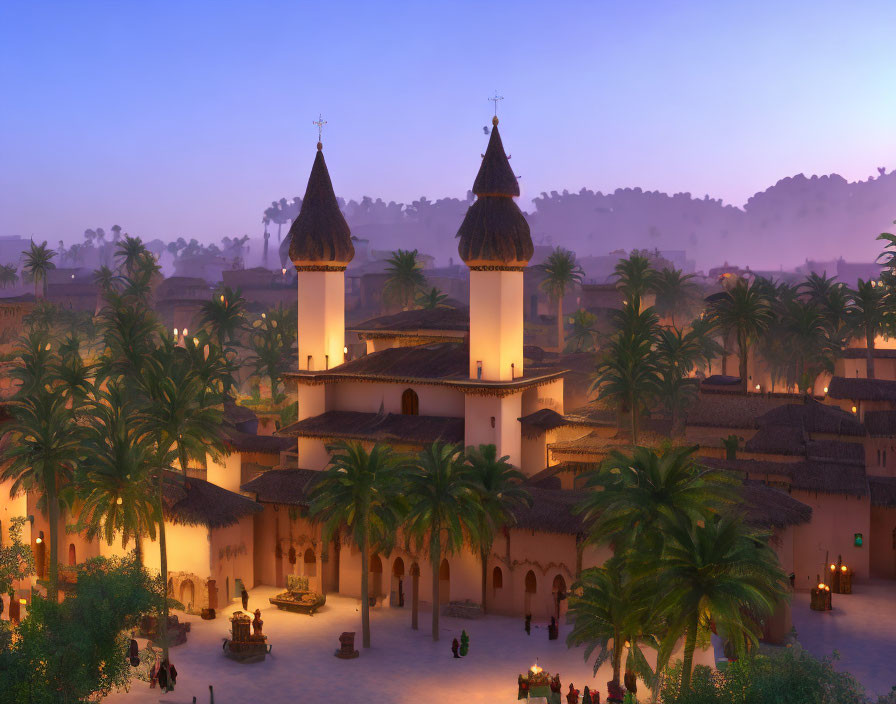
244 595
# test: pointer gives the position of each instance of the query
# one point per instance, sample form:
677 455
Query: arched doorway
396 589
410 403
310 563
40 558
375 568
531 588
72 557
444 582
187 594
497 580
558 594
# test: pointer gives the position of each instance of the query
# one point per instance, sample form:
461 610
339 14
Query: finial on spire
495 101
320 122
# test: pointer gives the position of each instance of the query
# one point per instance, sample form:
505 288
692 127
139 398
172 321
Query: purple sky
187 121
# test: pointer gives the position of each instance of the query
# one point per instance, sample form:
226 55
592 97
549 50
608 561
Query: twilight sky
188 118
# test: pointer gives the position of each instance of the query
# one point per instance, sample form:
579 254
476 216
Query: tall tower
495 243
320 247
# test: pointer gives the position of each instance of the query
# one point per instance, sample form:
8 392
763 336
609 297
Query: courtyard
860 627
402 665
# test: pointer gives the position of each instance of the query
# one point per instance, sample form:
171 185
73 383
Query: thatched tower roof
320 236
494 231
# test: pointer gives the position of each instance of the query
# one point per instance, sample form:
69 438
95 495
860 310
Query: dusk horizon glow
189 121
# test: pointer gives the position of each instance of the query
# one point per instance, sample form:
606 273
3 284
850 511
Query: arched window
310 561
376 564
531 584
497 578
444 571
398 567
309 557
72 558
410 403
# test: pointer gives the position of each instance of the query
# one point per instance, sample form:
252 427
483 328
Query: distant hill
799 218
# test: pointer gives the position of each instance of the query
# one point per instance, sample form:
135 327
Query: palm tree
38 262
676 293
717 570
500 492
610 610
868 316
638 492
269 351
628 372
634 277
115 480
583 337
809 342
432 299
224 315
130 250
8 275
47 441
444 507
745 312
562 272
680 353
360 492
405 278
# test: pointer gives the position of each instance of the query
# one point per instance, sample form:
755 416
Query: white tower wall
496 324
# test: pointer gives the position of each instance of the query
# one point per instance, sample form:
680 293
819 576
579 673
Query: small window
531 584
310 363
493 421
479 369
410 403
326 361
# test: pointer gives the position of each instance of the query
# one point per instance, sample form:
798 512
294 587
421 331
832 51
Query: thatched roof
594 414
731 410
540 422
551 511
193 501
862 353
378 427
857 389
239 416
769 507
883 491
410 321
494 230
439 363
813 475
814 417
282 486
836 451
320 234
881 424
721 380
252 442
778 440
830 478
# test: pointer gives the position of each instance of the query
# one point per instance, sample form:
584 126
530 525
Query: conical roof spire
320 236
495 177
494 232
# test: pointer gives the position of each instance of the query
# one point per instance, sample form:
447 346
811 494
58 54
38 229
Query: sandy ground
861 627
402 666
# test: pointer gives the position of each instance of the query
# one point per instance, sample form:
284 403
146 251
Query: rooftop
860 389
814 417
194 501
410 321
282 486
378 427
442 363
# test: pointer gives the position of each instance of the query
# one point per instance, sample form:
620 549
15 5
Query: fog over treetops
799 218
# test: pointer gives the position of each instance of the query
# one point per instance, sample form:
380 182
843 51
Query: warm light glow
73 276
23 602
825 389
833 567
39 540
345 350
283 271
627 644
118 501
222 298
185 332
758 387
196 341
264 315
821 586
175 332
827 588
843 569
854 409
535 669
49 345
